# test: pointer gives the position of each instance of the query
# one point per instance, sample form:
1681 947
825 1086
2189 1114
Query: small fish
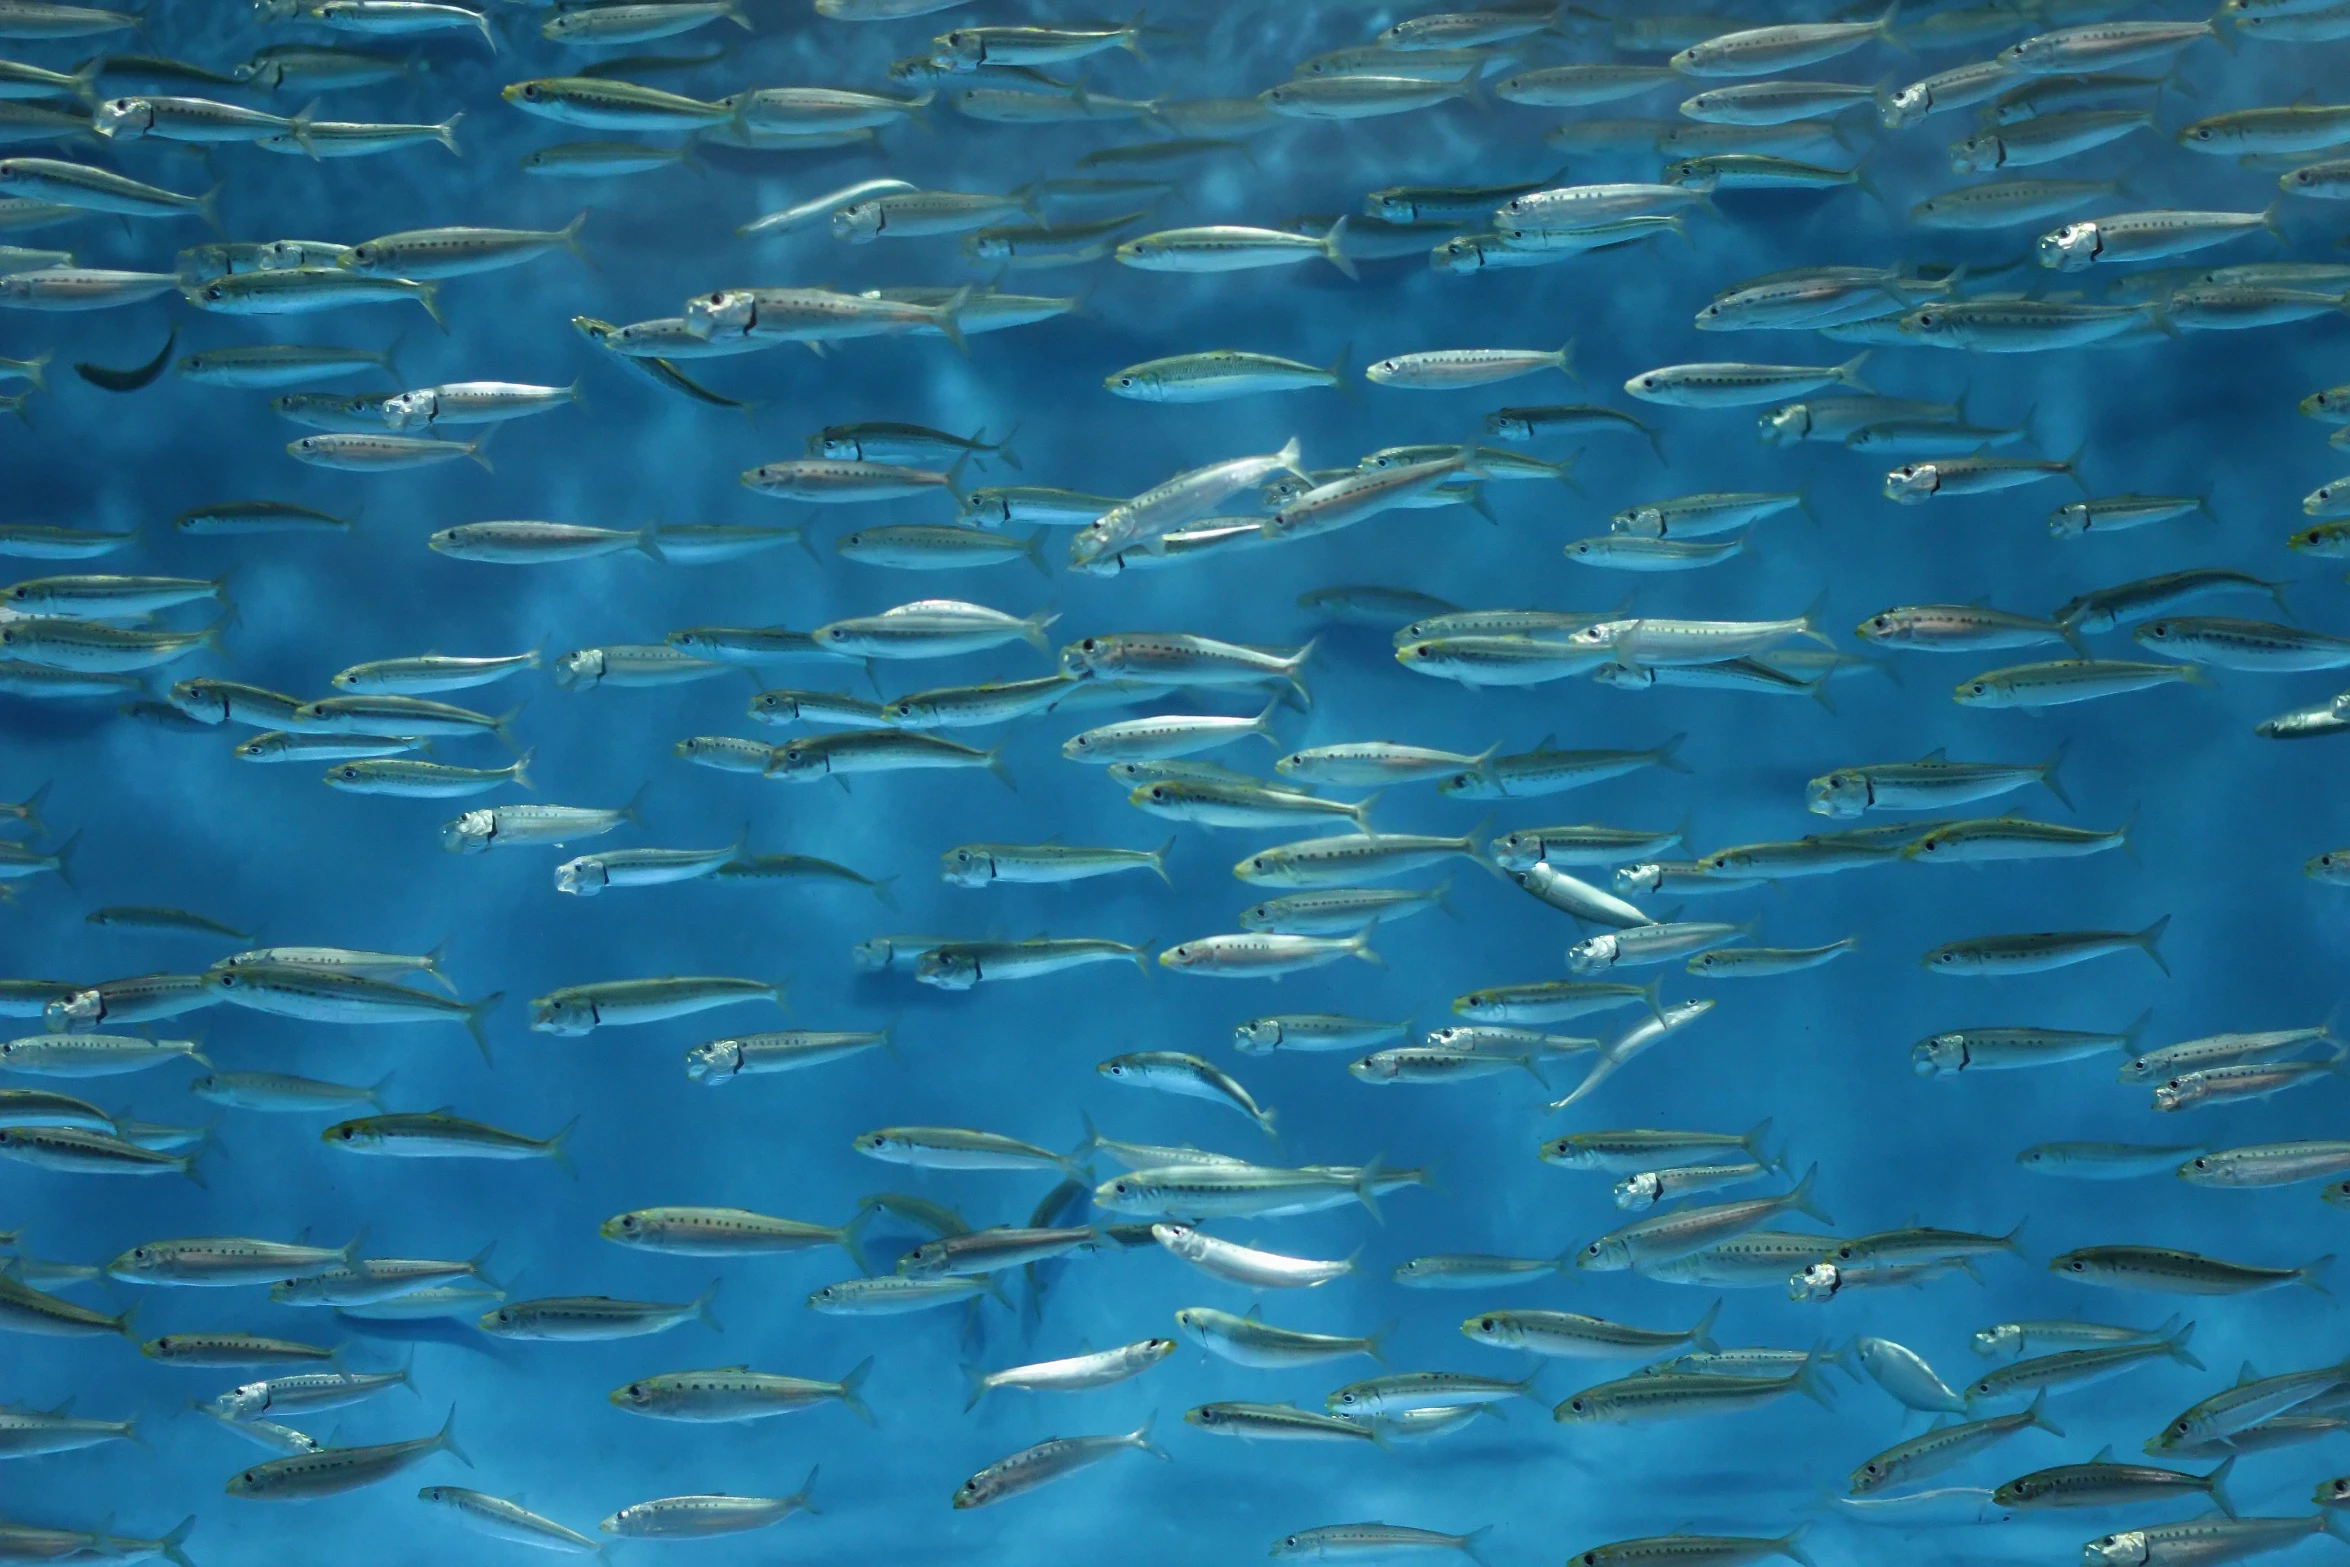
494 1516
1056 1459
1738 385
333 1470
440 1135
1939 1449
1101 1368
2102 1482
1188 1075
2039 952
2167 1271
702 1517
737 1393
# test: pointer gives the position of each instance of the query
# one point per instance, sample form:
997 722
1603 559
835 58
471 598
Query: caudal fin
850 1387
1334 247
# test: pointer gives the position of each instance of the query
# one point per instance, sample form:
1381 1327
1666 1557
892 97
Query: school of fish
1986 179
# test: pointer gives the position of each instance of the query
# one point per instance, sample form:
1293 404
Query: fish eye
2078 1266
1575 1404
1872 1467
1487 1324
227 980
1980 688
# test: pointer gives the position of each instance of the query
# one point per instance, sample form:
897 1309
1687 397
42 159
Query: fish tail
807 1486
2215 1485
446 1440
1032 630
979 1387
1701 1333
850 1387
2306 1275
557 1150
950 318
1334 247
2149 941
2038 1414
1566 361
1790 1545
1366 1188
29 811
64 858
2047 772
473 1024
520 771
1296 661
429 296
1806 1381
1158 862
446 134
1801 1199
169 1545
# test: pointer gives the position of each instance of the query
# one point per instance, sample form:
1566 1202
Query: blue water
170 817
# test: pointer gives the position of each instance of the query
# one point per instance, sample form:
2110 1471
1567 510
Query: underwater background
164 814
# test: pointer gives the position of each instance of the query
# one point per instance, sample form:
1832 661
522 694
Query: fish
440 1135
701 1517
500 1519
2039 952
331 1471
1047 1461
1942 1448
2177 1272
737 1393
1101 1368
